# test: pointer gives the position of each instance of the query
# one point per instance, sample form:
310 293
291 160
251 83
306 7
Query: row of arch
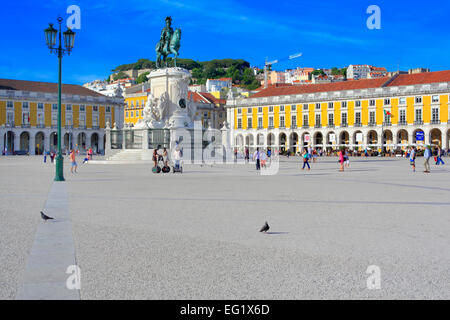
79 141
343 138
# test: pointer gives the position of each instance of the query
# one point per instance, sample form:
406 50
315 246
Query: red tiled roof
323 87
212 98
46 87
421 78
197 97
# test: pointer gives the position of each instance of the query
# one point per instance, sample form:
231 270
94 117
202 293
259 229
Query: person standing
439 156
257 157
412 158
247 155
346 158
341 160
427 156
74 166
90 152
305 155
263 159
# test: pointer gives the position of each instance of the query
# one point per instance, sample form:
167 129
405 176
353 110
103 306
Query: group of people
163 156
427 154
260 158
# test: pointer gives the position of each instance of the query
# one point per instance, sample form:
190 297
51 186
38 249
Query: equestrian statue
169 43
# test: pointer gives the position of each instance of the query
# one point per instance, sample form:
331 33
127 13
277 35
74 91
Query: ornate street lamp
50 37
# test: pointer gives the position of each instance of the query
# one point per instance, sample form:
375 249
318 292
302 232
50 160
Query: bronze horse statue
163 50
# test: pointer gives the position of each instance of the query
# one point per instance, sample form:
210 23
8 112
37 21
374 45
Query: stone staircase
125 156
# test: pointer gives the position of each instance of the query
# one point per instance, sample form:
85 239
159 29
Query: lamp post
50 37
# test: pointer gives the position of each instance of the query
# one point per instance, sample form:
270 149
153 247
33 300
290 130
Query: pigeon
265 228
43 216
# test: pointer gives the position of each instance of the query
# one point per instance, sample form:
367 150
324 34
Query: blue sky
328 33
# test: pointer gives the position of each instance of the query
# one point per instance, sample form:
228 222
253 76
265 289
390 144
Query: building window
40 106
68 107
372 102
249 110
317 106
294 121
305 107
26 118
317 118
68 120
271 109
358 117
260 109
402 116
418 114
95 108
24 105
282 122
372 117
344 104
435 99
358 103
55 106
260 122
330 105
294 107
387 102
281 108
9 104
239 124
95 121
305 120
82 108
249 123
418 99
83 120
344 117
108 109
331 119
142 102
270 122
239 110
126 114
402 100
387 118
54 119
10 118
40 119
434 115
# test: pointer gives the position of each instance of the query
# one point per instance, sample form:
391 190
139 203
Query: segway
156 169
165 169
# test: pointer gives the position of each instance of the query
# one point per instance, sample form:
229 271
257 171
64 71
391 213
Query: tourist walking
263 159
412 158
346 158
341 160
73 167
306 156
257 157
427 156
439 156
247 155
155 157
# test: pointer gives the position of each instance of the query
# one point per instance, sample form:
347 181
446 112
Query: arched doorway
53 141
331 140
8 142
402 138
418 142
293 142
318 140
436 137
94 142
306 138
344 138
25 141
39 141
372 138
68 141
249 140
388 140
81 141
271 140
260 139
282 141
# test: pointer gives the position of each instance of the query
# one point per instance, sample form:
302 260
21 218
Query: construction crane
269 63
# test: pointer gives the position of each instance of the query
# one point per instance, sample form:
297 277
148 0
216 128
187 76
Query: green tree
142 77
120 75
